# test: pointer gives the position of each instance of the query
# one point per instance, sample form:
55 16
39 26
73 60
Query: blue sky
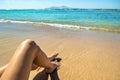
40 4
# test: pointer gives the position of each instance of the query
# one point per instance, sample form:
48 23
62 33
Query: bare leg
20 65
52 57
34 66
2 69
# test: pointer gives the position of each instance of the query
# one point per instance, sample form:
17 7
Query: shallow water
104 20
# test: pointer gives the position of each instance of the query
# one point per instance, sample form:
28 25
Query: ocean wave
75 27
12 21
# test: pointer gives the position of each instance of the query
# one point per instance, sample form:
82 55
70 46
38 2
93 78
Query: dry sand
86 55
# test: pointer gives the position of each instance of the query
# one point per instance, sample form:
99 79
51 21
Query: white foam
12 21
75 27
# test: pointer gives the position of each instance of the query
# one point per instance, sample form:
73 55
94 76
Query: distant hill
69 8
60 8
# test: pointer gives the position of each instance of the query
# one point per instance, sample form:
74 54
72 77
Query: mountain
60 8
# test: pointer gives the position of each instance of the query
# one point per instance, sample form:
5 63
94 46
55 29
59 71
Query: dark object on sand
54 74
57 59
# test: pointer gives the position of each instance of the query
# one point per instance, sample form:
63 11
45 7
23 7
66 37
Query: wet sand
86 55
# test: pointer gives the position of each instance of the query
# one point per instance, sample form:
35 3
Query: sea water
94 19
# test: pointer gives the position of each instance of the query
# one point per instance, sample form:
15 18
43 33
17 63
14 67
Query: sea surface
88 19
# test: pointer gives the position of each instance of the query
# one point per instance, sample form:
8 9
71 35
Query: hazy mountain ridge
70 8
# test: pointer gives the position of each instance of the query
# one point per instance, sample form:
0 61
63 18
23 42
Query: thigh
20 65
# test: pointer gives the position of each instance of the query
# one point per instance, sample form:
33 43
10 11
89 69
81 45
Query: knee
28 47
31 45
29 42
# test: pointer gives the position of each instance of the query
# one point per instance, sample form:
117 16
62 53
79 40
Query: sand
86 55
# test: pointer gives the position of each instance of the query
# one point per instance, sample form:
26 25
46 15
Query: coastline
68 26
85 54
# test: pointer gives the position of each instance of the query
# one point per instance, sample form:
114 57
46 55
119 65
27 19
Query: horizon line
59 9
56 7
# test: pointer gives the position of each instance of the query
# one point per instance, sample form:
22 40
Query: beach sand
86 55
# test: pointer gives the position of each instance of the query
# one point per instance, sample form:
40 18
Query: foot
53 56
55 64
53 67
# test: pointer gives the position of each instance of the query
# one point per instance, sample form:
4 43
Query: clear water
85 18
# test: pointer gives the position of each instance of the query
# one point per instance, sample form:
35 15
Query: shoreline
85 54
64 26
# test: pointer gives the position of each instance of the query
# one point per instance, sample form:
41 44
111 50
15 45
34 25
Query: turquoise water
107 20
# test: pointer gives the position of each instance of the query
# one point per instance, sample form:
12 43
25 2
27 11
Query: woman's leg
34 66
21 63
2 69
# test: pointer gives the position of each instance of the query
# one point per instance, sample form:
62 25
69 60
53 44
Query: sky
41 4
